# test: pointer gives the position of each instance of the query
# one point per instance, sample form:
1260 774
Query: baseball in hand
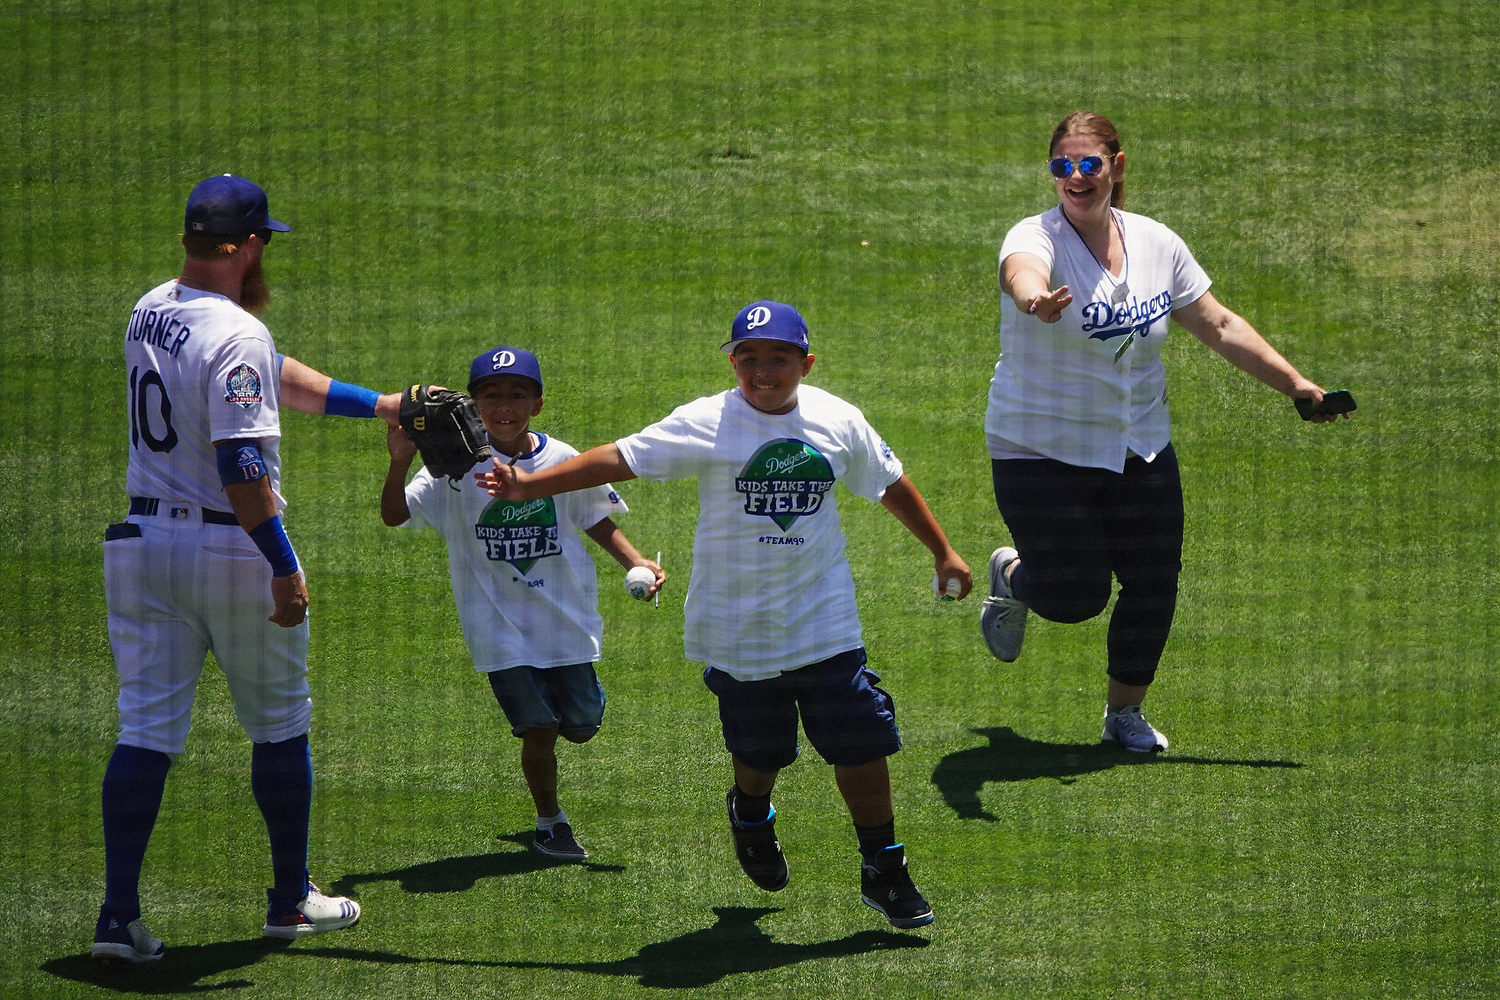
638 582
949 592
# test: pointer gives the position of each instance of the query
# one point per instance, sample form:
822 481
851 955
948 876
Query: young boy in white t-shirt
770 607
525 587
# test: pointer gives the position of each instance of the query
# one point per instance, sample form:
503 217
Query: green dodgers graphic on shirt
519 533
786 479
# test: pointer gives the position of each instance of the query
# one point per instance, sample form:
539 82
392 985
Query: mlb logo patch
179 513
242 386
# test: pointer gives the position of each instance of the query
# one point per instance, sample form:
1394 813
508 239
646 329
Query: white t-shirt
1090 387
771 589
198 369
525 588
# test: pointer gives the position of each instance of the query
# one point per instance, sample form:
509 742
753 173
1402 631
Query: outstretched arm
1024 277
902 500
1236 341
594 467
611 539
307 390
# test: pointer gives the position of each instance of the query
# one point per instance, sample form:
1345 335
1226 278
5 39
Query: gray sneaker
1129 728
1002 618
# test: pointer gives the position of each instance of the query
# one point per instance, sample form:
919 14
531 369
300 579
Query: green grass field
607 184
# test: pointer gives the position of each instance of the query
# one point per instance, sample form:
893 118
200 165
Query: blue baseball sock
131 798
281 778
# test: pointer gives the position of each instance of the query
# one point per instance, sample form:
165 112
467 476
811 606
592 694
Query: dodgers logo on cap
767 320
506 361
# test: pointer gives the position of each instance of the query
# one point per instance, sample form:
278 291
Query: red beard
254 292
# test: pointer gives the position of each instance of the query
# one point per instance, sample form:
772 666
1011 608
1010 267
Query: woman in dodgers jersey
1077 425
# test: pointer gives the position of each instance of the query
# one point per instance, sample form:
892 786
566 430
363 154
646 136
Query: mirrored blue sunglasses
1089 166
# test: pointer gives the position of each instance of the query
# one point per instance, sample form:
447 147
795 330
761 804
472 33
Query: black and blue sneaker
758 850
886 885
131 943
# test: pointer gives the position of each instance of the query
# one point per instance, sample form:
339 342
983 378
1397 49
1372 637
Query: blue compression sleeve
240 461
348 400
270 538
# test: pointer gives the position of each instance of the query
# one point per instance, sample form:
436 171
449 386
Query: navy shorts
570 698
848 719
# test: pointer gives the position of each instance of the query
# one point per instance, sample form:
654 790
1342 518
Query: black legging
1075 527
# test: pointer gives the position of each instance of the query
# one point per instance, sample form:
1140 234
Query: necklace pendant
1120 294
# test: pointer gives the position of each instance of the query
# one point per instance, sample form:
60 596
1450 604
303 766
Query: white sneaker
1129 728
132 943
1002 618
313 914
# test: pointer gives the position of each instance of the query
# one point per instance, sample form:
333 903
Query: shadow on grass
177 972
733 945
459 874
1012 757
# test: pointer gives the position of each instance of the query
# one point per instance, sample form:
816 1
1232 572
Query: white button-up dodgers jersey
1090 387
199 369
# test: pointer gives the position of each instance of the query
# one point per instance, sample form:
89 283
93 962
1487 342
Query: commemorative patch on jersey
785 480
242 386
519 533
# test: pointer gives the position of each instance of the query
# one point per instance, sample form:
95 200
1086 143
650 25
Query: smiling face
769 372
1086 199
506 405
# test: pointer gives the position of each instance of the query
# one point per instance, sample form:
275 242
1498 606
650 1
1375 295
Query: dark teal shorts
570 698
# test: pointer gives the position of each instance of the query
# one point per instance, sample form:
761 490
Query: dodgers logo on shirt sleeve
519 533
785 480
242 386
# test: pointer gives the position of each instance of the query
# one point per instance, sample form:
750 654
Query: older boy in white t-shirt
770 607
525 587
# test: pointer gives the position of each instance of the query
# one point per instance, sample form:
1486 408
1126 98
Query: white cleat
131 944
1129 728
1002 618
315 913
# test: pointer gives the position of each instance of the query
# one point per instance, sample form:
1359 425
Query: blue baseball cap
226 205
506 361
767 320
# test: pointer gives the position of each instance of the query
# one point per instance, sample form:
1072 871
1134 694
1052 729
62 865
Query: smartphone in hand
1335 402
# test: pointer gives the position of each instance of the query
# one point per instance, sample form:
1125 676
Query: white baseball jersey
525 587
199 369
1090 387
771 588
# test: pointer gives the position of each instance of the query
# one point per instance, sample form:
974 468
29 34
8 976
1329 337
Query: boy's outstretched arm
611 539
594 467
902 499
393 509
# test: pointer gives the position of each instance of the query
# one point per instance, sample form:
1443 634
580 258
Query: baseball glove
446 428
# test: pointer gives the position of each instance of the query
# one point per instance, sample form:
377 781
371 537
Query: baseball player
770 605
202 562
524 585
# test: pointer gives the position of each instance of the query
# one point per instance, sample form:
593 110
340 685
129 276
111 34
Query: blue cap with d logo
767 320
506 361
